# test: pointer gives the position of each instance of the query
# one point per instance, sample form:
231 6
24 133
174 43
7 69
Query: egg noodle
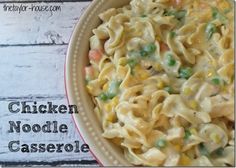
161 76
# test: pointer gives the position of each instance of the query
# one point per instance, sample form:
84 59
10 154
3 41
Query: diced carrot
89 72
95 55
176 3
204 5
164 47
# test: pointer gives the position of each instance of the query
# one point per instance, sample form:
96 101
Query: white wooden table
32 53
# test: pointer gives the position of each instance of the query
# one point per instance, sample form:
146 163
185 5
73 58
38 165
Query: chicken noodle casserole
161 76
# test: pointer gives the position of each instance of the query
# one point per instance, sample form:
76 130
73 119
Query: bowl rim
67 65
68 83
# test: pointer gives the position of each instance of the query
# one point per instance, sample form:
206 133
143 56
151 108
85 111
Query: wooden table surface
32 54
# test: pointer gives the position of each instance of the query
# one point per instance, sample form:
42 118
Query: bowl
106 153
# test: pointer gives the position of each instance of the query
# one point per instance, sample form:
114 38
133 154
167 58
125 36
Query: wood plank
54 163
31 27
37 1
27 71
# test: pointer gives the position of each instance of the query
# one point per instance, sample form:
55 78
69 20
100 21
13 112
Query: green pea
134 54
203 150
216 14
180 14
219 151
185 72
169 89
210 30
143 53
169 12
111 95
216 81
113 89
103 97
177 14
132 62
143 15
172 34
150 48
170 60
187 134
161 143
